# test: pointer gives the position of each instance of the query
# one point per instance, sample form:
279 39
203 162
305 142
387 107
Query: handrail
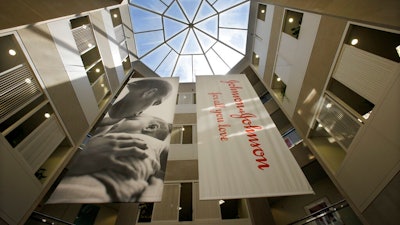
322 212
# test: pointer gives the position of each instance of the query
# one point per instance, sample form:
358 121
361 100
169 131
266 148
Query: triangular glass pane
230 17
147 41
167 2
174 11
221 5
177 42
209 26
154 5
230 56
205 41
172 27
190 7
205 11
154 58
168 65
201 66
143 20
184 69
234 38
217 65
191 45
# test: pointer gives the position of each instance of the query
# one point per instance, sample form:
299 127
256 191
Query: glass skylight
187 38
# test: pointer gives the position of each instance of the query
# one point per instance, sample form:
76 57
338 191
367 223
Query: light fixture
12 52
263 11
47 115
183 129
354 41
180 208
221 202
102 85
89 45
319 125
329 105
278 79
28 80
398 50
291 20
97 70
115 15
257 56
84 26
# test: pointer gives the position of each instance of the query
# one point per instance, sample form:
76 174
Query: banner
241 153
124 159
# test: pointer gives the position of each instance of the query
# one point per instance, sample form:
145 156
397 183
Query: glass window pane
155 5
148 41
230 56
191 45
177 42
153 59
234 38
205 11
143 20
174 11
205 41
183 69
217 65
201 66
168 65
176 135
172 27
209 26
230 18
224 4
189 7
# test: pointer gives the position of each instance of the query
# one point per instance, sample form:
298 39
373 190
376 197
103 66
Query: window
292 23
255 60
186 98
183 134
279 86
262 9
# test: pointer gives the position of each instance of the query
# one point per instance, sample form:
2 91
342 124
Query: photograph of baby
125 158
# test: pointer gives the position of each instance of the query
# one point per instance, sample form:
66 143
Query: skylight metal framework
185 38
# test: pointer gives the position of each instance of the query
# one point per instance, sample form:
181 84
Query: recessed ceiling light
263 11
115 15
291 20
278 79
354 41
12 52
329 105
47 115
97 70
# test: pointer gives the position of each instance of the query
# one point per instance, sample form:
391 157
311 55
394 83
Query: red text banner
240 151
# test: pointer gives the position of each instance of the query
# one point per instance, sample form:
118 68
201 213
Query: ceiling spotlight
291 20
221 202
28 80
257 56
263 11
97 70
47 115
115 15
329 105
12 52
278 79
354 41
